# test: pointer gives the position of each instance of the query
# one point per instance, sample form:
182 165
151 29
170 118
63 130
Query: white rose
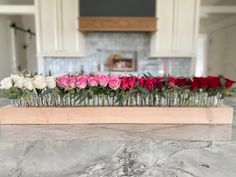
28 84
14 77
19 82
6 83
40 82
51 82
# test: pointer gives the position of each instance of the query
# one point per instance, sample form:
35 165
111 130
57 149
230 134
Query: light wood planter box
109 115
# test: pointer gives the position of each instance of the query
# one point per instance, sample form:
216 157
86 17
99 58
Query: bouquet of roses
32 90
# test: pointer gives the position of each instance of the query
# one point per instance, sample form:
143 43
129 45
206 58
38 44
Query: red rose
180 82
124 83
199 83
229 83
213 82
142 81
171 81
150 83
202 81
194 84
159 82
131 82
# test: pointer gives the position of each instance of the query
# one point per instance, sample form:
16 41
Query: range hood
134 24
118 15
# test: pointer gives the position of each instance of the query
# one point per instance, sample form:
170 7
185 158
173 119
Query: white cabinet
57 28
177 28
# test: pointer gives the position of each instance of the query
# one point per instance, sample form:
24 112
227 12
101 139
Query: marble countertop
118 151
117 132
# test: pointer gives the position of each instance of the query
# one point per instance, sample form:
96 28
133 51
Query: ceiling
218 2
211 19
27 2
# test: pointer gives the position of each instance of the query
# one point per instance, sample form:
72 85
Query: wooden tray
104 115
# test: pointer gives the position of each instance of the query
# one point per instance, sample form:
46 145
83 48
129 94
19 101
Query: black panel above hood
117 8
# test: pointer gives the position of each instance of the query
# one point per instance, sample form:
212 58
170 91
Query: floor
119 150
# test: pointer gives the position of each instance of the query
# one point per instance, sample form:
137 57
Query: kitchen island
118 150
115 150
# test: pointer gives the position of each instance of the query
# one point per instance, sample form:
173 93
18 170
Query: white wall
28 21
222 51
5 47
215 53
229 61
19 38
201 62
26 58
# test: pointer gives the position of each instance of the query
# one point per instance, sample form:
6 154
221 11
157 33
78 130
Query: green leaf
143 90
119 97
124 99
83 98
15 93
78 97
149 74
222 80
46 92
212 93
49 73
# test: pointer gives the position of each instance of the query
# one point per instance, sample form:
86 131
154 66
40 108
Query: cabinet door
69 15
177 28
185 26
57 25
165 15
47 26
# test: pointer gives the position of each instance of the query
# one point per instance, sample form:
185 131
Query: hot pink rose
114 82
62 81
103 80
93 81
127 82
71 82
81 81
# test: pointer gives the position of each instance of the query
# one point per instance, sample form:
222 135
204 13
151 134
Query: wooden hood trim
141 24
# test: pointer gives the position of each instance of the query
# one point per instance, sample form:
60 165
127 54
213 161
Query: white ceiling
215 18
209 2
218 2
17 2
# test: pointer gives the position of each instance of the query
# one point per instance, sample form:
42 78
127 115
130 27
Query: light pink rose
93 81
81 81
103 80
114 82
62 81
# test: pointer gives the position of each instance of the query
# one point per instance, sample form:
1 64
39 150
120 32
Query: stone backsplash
101 45
159 66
